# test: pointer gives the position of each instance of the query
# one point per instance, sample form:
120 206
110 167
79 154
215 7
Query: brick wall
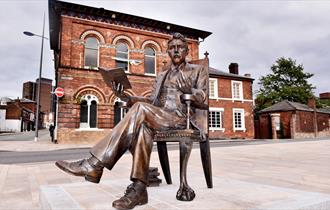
13 110
306 122
72 48
297 124
226 102
45 95
28 90
285 120
74 136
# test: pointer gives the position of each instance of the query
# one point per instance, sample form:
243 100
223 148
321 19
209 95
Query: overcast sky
252 33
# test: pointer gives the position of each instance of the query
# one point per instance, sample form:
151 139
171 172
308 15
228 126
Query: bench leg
206 161
163 158
185 193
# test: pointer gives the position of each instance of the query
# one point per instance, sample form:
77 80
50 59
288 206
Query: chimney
247 75
311 103
233 68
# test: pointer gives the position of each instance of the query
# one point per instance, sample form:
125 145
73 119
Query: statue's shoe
136 194
82 167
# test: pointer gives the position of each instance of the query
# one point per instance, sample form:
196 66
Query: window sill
89 129
217 129
240 129
238 99
150 74
91 68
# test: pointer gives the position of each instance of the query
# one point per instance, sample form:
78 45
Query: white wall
13 125
2 119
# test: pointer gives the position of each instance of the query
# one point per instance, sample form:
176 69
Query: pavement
293 175
24 142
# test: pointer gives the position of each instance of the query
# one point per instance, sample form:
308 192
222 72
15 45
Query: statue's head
177 48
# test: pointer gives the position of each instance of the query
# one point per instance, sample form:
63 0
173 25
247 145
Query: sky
253 34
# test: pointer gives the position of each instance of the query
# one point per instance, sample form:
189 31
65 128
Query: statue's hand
118 90
184 84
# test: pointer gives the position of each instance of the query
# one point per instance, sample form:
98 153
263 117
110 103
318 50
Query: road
7 157
14 157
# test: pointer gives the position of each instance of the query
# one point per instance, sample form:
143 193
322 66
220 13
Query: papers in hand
116 75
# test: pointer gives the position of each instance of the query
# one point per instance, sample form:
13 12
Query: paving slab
269 176
227 194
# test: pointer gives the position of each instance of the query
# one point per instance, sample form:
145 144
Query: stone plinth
226 194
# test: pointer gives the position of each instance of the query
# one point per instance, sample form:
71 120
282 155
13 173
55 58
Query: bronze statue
162 111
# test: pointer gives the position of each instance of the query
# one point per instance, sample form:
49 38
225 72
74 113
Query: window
91 52
119 112
122 56
238 119
237 90
88 111
149 61
213 87
216 119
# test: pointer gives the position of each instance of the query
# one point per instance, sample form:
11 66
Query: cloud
252 33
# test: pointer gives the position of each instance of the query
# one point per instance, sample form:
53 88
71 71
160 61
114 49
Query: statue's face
177 51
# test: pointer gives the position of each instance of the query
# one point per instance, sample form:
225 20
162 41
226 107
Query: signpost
59 92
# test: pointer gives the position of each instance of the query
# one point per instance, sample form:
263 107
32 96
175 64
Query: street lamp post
40 70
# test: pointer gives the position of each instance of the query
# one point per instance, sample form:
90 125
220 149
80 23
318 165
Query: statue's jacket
197 76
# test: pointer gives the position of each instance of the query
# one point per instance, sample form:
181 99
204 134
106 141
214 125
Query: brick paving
263 176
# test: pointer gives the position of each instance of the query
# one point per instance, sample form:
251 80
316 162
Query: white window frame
86 126
123 111
98 54
128 53
216 109
155 57
240 90
242 111
215 90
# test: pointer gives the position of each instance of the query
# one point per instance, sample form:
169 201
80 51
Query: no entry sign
59 92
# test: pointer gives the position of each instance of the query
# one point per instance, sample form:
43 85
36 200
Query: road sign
59 92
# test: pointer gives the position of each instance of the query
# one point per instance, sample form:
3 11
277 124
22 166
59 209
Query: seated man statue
162 111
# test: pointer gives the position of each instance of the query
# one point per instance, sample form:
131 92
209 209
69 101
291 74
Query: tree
322 103
288 81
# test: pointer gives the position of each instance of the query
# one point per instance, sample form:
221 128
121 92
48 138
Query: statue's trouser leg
135 132
141 154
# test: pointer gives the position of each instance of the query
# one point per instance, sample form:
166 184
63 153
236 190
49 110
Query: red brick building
19 115
30 91
84 38
231 104
288 119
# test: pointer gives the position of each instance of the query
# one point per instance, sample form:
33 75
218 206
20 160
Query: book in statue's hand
116 75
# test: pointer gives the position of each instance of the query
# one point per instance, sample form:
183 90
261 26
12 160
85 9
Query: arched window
91 52
119 112
88 111
149 61
122 56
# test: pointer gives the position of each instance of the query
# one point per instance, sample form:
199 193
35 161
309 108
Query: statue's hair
177 35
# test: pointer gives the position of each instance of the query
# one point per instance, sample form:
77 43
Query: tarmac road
23 147
9 157
15 157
